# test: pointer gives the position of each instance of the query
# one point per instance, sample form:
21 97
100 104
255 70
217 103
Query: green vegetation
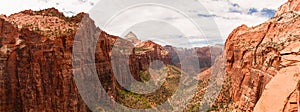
133 100
145 76
161 95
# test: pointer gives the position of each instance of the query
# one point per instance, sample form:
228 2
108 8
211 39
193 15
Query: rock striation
291 5
131 37
37 63
36 70
262 64
204 57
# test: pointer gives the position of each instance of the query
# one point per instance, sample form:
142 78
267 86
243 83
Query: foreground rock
36 70
262 64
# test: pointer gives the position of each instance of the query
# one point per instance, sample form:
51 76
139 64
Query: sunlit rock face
36 69
262 64
38 60
291 5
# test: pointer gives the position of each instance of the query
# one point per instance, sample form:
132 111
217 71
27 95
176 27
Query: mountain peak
132 38
290 5
130 34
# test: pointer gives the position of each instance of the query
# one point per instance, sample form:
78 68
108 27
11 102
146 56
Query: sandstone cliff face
136 56
36 72
291 5
149 51
131 37
36 49
262 63
205 56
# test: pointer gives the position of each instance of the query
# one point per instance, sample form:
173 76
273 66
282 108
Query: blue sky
227 14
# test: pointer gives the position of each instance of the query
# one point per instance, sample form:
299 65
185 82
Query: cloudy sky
227 14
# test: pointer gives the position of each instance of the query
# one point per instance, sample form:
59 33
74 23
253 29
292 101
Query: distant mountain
132 38
204 57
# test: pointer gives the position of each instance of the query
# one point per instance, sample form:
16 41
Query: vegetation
145 76
144 101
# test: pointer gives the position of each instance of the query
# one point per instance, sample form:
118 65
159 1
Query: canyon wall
262 64
37 60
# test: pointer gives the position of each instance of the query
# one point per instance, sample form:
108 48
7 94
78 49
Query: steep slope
36 71
149 51
36 60
291 5
262 64
131 37
205 56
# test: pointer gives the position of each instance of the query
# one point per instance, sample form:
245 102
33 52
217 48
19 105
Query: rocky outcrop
36 72
205 57
132 56
291 5
148 51
38 60
262 64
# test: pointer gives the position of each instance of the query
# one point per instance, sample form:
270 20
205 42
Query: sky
165 26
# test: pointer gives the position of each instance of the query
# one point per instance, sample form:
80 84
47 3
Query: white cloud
232 13
259 4
227 14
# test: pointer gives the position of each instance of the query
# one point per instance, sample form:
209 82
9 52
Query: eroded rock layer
37 61
262 64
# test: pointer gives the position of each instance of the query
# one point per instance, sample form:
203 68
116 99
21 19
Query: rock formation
131 37
36 54
205 56
36 70
291 5
262 64
149 51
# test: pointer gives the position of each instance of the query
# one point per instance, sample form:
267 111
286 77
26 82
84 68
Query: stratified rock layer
262 64
197 59
291 5
36 72
37 61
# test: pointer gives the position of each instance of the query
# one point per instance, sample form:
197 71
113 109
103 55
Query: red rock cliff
36 49
291 5
262 64
36 70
